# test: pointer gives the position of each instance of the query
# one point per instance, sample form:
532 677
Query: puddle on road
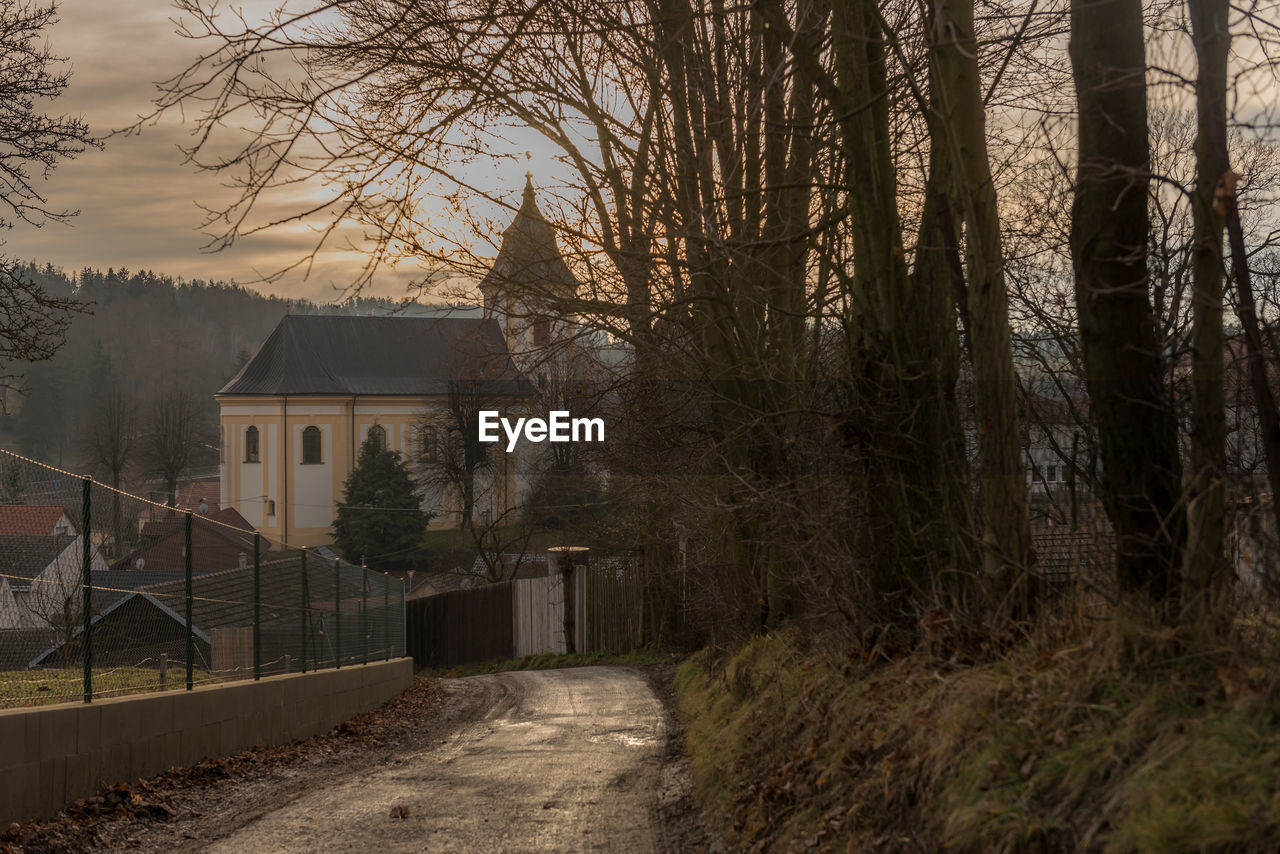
629 737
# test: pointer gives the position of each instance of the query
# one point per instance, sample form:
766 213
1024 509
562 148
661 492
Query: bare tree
1205 559
113 434
173 437
1109 232
33 322
1006 536
55 601
452 458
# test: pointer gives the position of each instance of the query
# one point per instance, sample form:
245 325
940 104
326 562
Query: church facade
294 418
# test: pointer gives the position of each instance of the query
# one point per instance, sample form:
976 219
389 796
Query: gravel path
564 760
585 759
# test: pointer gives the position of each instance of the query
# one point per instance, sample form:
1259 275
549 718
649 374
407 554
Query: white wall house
40 579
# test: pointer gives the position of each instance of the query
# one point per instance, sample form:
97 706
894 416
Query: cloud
137 197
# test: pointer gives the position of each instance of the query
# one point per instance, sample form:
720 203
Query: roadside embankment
1133 745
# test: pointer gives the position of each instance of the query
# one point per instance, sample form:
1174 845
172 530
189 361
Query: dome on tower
529 263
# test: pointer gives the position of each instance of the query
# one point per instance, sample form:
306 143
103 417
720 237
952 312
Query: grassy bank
1134 745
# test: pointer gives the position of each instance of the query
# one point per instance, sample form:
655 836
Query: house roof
27 557
529 260
226 598
17 649
228 518
212 537
32 520
188 498
103 605
338 355
191 495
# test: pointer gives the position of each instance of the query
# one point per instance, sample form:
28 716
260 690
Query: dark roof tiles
27 557
342 355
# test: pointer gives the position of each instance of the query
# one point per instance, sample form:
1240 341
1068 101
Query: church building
294 418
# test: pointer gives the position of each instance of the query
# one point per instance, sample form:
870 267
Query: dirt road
562 760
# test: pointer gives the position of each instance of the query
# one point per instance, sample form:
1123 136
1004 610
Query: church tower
529 282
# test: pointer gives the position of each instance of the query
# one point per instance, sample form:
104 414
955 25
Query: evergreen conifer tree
380 516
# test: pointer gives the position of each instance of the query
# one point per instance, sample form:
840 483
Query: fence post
364 610
257 606
306 611
386 614
86 583
191 646
404 623
337 612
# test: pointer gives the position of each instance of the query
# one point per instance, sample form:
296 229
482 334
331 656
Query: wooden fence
514 619
612 617
461 627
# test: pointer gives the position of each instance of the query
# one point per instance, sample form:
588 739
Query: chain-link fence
104 593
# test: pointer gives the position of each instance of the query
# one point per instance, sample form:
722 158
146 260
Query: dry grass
63 685
1126 744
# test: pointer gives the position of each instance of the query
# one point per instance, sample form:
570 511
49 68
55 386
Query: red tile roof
189 496
33 520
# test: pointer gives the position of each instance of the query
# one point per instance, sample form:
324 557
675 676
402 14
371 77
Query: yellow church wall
305 495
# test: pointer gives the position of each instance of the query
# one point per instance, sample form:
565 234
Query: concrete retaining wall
52 755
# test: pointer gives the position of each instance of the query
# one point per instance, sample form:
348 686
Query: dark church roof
326 354
529 260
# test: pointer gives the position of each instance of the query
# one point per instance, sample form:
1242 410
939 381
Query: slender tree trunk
942 512
1205 563
1137 431
1006 536
1246 309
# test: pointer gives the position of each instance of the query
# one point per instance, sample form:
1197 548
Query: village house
40 576
35 520
220 540
139 622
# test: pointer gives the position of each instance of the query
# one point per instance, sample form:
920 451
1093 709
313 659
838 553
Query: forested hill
147 335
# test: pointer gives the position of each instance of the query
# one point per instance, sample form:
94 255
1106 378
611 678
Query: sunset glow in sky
137 198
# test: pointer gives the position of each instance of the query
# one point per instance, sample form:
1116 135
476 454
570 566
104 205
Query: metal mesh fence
104 593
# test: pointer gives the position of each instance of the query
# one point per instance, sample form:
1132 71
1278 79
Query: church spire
529 284
529 262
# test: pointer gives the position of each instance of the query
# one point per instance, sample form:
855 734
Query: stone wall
52 755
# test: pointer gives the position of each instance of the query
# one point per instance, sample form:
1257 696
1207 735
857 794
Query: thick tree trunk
1137 431
1205 563
1006 537
901 332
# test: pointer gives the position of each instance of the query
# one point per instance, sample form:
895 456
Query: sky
137 198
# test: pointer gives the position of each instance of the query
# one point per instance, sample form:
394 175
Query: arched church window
427 443
378 437
311 445
251 445
541 332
